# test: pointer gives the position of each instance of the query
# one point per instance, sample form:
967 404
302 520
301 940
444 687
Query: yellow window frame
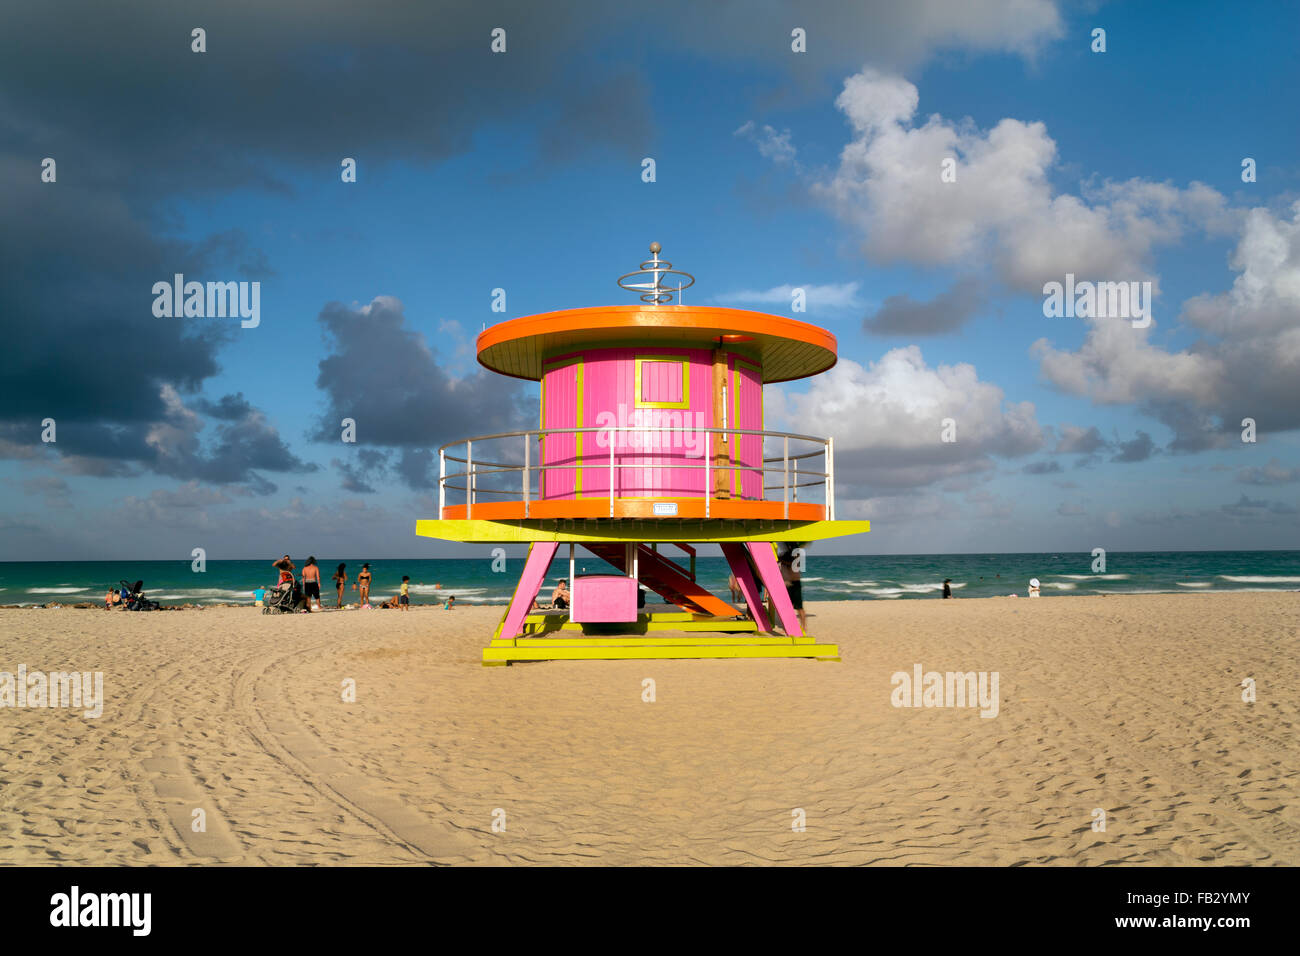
683 361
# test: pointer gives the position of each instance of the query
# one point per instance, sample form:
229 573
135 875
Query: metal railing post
785 475
708 454
528 459
611 473
469 479
830 478
442 481
794 491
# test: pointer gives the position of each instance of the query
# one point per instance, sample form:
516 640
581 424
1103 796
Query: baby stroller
135 599
284 598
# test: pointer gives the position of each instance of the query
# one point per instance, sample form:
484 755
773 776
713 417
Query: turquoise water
826 577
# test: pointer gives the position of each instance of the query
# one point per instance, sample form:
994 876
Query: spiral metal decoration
657 290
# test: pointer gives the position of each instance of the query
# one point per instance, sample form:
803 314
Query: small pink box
603 599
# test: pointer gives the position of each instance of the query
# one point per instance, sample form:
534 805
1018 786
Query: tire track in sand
306 755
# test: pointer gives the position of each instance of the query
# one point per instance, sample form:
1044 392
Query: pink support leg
765 561
748 586
530 582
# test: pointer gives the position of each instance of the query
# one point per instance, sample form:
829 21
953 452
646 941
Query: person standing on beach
285 567
947 589
406 592
340 579
363 584
311 582
793 584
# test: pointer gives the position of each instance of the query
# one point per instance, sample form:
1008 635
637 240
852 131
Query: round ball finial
655 248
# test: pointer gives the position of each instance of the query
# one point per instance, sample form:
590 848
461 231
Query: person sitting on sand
560 597
1033 587
113 599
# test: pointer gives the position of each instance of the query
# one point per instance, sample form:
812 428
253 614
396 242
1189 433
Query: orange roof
787 348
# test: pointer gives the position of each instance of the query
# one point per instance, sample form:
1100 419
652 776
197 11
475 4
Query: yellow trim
683 361
551 366
689 530
655 649
735 419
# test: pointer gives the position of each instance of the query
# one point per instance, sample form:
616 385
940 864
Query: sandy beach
1128 704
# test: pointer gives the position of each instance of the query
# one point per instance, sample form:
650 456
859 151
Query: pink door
747 407
561 408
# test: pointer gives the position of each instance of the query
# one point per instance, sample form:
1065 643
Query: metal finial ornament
656 290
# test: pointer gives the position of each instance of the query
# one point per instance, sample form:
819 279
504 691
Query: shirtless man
311 582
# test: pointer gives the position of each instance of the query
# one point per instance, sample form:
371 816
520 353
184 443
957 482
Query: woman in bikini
340 579
363 583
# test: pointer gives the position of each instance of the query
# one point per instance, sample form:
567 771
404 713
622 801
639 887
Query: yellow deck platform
649 638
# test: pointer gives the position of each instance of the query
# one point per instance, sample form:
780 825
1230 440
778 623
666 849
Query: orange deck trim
518 347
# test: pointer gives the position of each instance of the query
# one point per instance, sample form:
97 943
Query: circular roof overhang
787 348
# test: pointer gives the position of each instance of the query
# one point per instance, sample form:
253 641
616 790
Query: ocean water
825 577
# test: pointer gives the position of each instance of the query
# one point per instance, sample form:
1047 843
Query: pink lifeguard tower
650 434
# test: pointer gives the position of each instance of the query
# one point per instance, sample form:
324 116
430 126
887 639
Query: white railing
484 469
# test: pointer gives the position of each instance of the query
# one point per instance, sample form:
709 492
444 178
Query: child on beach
259 597
406 592
451 599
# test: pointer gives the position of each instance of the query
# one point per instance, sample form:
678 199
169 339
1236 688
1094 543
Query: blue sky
534 186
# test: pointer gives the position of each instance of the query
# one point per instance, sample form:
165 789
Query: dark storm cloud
1042 468
1274 473
357 474
306 84
1078 440
228 408
134 118
1138 449
903 315
1245 507
382 374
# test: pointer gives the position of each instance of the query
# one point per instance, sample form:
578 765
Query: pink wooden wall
599 387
